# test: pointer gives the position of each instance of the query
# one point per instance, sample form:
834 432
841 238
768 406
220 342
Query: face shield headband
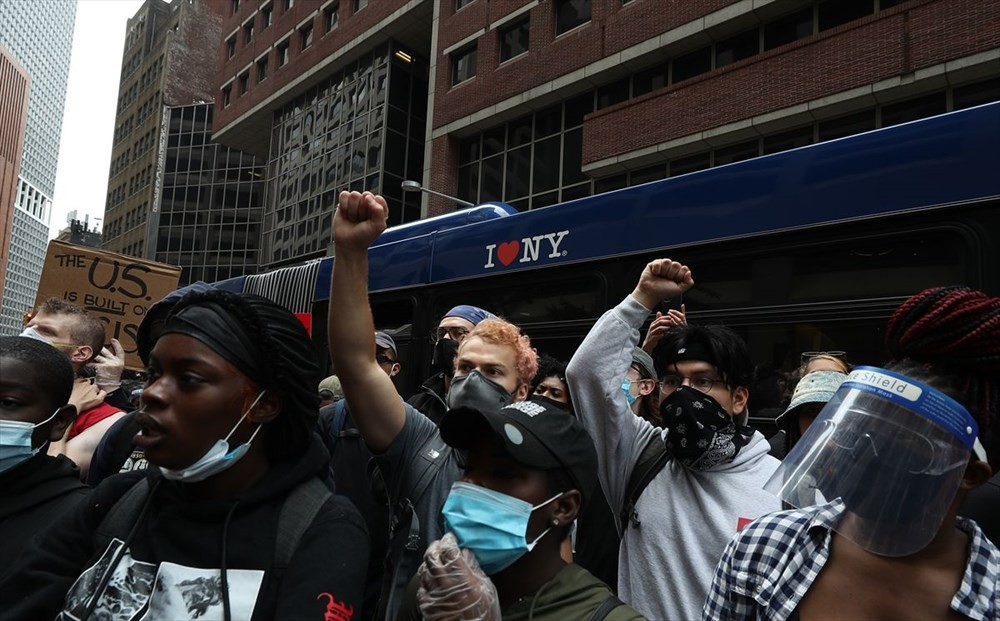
890 452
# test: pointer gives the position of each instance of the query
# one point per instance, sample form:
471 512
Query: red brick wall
878 47
189 74
612 28
444 174
351 26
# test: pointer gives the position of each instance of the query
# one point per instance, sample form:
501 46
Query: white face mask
32 332
218 458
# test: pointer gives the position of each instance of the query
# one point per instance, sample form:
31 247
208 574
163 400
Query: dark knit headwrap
269 345
956 332
214 326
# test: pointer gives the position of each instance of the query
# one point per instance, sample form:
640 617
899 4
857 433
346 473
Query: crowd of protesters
625 483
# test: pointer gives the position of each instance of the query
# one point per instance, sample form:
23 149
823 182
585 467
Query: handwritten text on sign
116 288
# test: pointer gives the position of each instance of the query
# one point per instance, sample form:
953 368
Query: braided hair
954 333
287 359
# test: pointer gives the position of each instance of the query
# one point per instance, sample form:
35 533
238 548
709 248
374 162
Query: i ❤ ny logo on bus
526 250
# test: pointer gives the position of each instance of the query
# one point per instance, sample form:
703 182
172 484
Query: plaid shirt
770 565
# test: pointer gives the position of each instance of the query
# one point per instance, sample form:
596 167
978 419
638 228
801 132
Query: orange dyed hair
502 332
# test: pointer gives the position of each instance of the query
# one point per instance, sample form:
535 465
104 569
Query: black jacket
33 495
179 550
431 398
983 505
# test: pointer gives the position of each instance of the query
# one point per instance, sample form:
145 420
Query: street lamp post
414 186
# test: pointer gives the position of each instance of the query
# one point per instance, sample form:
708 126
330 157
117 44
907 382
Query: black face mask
443 360
477 392
701 434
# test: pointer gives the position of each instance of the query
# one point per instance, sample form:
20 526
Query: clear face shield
892 450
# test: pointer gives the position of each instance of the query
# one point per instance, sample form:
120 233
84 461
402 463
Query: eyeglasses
383 359
455 333
809 355
670 383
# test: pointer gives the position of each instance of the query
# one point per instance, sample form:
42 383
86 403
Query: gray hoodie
687 517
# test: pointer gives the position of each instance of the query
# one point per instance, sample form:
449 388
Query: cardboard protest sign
116 288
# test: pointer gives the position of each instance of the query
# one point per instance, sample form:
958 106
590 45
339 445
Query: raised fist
660 280
359 220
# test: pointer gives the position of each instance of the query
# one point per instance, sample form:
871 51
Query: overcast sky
89 117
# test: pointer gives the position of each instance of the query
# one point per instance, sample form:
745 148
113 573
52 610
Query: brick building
14 86
173 195
536 102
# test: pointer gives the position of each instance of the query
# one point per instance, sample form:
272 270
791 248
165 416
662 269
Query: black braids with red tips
954 333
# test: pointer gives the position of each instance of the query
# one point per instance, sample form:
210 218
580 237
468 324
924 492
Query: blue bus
807 249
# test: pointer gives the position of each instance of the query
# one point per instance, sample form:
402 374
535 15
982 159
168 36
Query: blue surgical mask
218 458
626 388
493 525
15 442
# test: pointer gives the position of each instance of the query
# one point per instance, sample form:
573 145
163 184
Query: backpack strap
297 514
406 536
651 461
606 607
120 519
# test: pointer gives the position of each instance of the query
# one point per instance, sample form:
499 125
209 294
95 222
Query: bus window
526 301
776 349
857 268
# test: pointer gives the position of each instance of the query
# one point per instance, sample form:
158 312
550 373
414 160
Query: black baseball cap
535 433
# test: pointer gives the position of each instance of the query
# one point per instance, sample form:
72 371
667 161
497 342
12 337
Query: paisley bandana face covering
701 434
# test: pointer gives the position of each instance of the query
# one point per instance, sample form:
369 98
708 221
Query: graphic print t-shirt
138 591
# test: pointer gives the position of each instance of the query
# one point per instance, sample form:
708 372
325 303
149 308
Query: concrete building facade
536 102
173 194
14 86
39 36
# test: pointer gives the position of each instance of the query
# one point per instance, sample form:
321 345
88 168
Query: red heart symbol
508 251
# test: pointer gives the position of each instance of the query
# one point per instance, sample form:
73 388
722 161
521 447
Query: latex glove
86 395
453 587
108 366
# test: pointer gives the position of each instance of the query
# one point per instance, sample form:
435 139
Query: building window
360 4
244 81
463 64
306 35
235 5
283 53
262 69
247 33
833 13
331 16
743 45
789 28
690 65
462 3
227 95
570 14
288 4
514 39
231 46
266 16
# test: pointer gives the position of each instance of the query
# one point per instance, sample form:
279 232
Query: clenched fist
359 220
660 280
